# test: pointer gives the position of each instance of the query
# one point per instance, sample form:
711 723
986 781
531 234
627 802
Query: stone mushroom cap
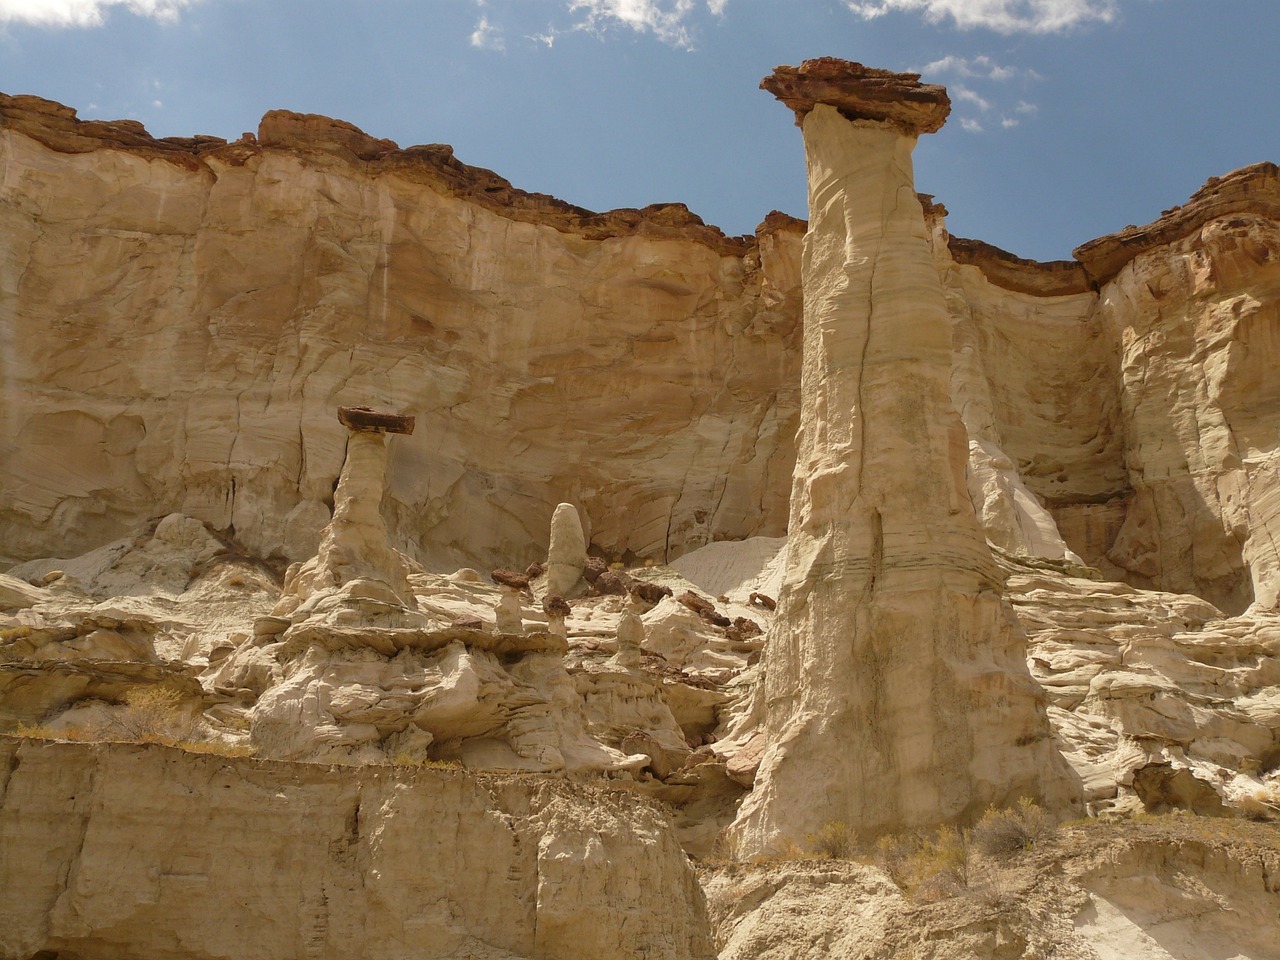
861 93
368 420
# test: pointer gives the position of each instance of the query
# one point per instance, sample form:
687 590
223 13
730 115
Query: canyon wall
182 317
114 850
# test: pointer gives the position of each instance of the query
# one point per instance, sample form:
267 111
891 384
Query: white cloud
548 38
665 19
1003 16
1009 122
973 126
487 37
84 13
1024 107
966 95
982 67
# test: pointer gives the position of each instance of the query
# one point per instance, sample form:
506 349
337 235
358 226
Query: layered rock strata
896 693
1195 315
637 363
127 850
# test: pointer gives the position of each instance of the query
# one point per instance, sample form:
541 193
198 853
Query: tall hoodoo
896 690
354 544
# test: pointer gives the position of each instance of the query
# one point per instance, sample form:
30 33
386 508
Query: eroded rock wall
1195 312
1035 377
115 850
182 317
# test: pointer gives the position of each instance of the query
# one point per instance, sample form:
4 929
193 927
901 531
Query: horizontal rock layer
120 850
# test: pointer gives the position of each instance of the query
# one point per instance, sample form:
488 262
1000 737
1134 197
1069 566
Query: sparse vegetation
927 866
1262 804
1004 833
152 714
406 758
835 839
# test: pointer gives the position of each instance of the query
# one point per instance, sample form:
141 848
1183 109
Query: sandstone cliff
636 363
1035 513
117 850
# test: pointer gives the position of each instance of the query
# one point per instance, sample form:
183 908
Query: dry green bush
1003 833
835 839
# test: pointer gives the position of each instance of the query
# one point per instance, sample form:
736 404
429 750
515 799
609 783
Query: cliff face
1196 317
119 850
183 316
988 447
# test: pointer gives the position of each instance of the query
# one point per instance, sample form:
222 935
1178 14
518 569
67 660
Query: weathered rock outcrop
896 691
1196 317
1177 890
638 364
126 850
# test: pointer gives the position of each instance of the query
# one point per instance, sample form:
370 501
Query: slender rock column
896 689
567 553
354 544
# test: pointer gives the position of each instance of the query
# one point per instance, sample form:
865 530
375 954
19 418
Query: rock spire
896 690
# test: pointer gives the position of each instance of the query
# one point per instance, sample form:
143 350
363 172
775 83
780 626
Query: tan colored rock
354 544
1194 316
259 285
630 641
1167 891
146 851
896 693
567 554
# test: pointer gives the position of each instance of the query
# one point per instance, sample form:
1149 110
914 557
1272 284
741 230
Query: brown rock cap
1250 190
368 420
861 93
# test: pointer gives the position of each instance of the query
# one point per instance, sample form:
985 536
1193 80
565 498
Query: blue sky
1071 119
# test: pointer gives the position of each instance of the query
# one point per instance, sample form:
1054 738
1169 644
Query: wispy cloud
1003 16
487 37
982 67
965 95
548 38
665 19
84 13
971 125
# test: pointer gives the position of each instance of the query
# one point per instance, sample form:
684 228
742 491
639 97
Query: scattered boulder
612 583
592 569
649 592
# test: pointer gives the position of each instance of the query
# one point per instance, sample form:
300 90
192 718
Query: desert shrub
1262 804
835 839
927 866
152 714
1004 833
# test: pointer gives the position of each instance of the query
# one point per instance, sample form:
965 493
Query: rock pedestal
897 693
354 545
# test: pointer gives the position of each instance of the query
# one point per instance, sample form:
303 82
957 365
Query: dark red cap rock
861 93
